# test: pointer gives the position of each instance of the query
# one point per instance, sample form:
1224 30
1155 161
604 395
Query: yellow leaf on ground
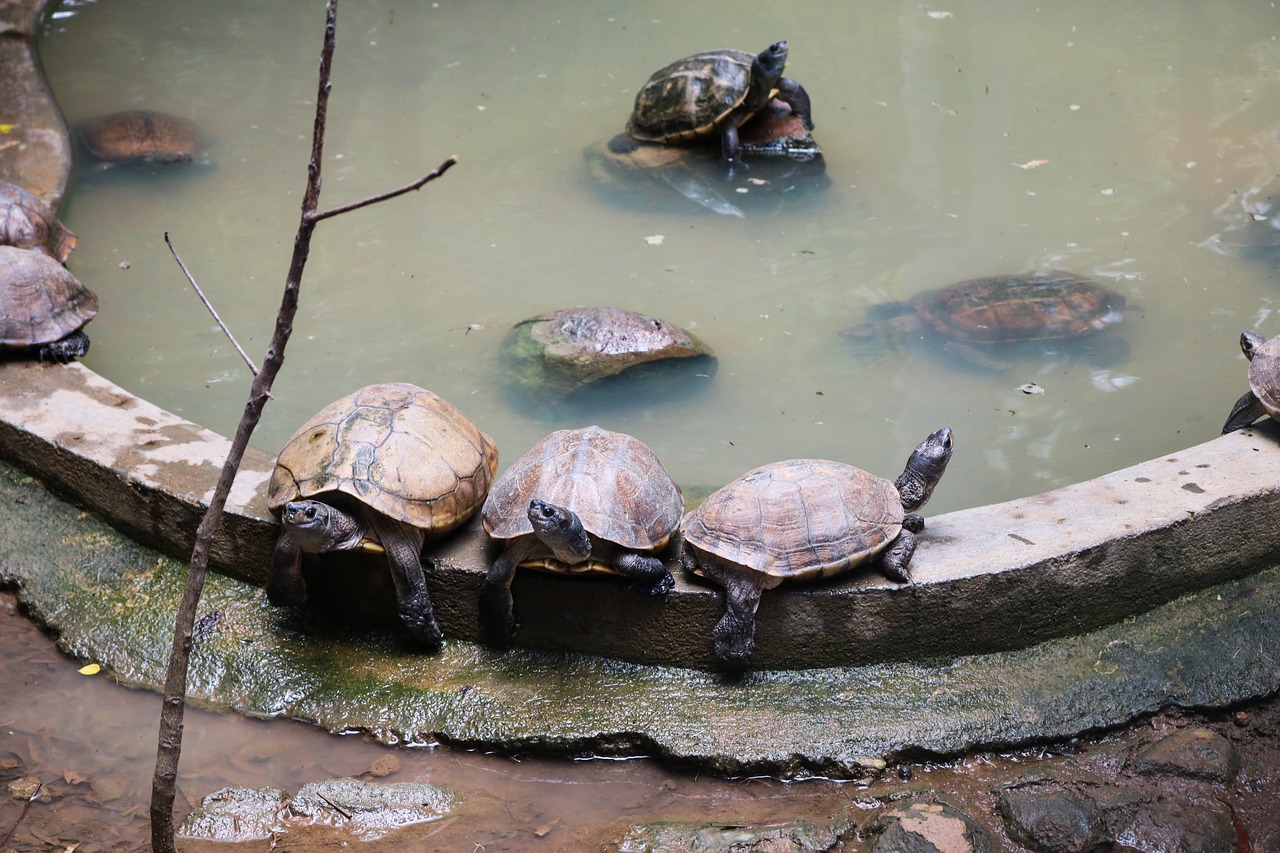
91 669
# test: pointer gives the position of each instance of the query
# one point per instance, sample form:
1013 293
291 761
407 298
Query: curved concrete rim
990 578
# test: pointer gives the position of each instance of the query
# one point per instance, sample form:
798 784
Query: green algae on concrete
111 600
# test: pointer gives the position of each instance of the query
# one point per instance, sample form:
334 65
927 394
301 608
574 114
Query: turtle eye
310 513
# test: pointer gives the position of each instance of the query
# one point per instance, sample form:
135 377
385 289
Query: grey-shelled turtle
802 519
581 500
43 307
714 92
1263 396
140 136
26 222
393 465
1000 309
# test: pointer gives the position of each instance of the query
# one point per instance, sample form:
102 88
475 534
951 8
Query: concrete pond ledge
991 578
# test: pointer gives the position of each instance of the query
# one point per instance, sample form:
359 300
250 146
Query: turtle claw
496 619
663 585
418 616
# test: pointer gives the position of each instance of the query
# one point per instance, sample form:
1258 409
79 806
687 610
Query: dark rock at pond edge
929 826
554 355
1053 819
1192 753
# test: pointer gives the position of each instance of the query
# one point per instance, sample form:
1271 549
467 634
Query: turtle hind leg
647 570
1245 411
734 636
66 350
403 544
893 564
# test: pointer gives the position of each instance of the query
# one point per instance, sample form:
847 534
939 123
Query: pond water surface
1125 142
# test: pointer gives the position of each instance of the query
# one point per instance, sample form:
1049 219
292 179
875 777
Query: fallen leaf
6 128
545 828
90 669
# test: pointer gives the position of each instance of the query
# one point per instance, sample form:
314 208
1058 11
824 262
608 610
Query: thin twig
316 216
253 368
337 808
21 814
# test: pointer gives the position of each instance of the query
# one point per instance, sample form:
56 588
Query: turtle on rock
26 222
1263 396
385 468
802 519
715 92
43 307
581 500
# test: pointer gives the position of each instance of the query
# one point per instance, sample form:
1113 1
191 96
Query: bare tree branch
253 368
169 749
418 184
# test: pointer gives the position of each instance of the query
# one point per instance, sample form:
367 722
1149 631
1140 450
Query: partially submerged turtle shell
798 519
613 481
1264 375
1036 306
396 448
26 222
40 300
690 97
140 135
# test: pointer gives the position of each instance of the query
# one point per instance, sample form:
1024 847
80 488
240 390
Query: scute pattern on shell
40 301
1002 309
689 97
26 222
1264 375
798 519
613 481
140 135
398 448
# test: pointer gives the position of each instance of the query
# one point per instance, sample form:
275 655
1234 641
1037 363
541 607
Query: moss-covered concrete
111 601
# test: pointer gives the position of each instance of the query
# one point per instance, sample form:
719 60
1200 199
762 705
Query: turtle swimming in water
715 92
802 519
1002 309
140 136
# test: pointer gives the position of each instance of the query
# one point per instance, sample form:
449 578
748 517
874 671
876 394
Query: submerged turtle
28 223
581 500
715 92
43 307
391 464
140 136
1263 396
1035 306
800 519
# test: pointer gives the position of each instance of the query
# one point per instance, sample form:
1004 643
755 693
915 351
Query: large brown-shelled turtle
711 92
26 222
581 500
802 519
1000 309
390 464
1263 396
43 307
140 136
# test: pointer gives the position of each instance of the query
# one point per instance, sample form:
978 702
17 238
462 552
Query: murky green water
1152 125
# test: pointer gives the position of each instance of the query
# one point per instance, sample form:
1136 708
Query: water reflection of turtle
1263 396
140 136
384 468
803 519
581 500
1003 309
43 307
28 223
714 92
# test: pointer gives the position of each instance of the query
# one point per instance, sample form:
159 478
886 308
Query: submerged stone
1052 818
930 827
1193 753
235 814
782 836
369 810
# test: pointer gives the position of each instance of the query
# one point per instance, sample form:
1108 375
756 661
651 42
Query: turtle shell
1264 375
40 301
396 448
28 223
798 519
1030 307
140 135
613 481
691 96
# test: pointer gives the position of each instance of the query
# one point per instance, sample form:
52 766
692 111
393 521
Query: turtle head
560 530
318 527
924 469
770 62
1249 343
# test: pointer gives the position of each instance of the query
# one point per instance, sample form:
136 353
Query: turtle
581 500
1002 309
715 92
1263 396
801 519
387 467
43 307
140 136
26 222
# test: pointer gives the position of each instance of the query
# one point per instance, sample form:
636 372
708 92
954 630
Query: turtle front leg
734 636
648 570
894 562
403 544
730 161
285 584
793 94
496 617
1246 410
